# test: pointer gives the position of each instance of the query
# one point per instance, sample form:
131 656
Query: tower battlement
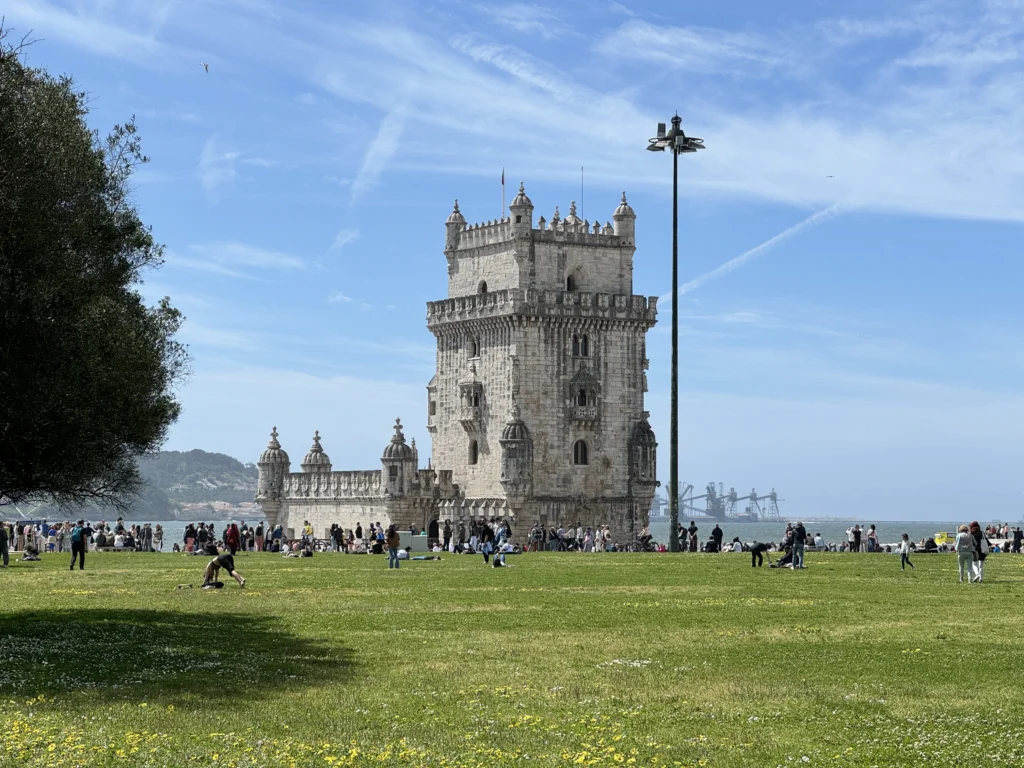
546 303
568 253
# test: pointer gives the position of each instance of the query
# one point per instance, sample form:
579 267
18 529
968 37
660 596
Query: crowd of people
38 537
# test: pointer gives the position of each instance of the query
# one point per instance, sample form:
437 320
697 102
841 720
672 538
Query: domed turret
454 226
274 453
624 210
516 460
316 460
397 449
273 465
398 464
522 213
643 453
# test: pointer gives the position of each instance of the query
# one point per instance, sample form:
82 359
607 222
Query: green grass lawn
652 660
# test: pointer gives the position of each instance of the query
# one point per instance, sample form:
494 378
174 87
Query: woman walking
905 554
231 538
158 538
392 540
965 548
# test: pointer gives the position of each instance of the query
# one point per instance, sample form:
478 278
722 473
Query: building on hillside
536 411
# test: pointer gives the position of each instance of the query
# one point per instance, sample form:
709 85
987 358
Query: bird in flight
206 68
827 177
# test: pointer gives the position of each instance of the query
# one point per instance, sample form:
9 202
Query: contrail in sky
759 250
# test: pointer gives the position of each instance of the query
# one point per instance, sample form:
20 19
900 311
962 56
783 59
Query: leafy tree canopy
87 370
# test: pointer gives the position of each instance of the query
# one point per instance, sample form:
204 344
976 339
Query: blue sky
854 341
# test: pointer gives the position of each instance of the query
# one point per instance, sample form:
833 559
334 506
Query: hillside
189 477
180 483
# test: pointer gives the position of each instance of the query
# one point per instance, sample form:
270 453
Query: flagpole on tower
502 194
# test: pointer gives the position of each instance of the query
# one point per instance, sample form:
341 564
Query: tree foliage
87 370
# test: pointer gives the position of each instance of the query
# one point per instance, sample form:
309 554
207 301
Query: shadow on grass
159 656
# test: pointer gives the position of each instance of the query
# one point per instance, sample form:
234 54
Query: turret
625 222
454 227
398 464
316 460
516 460
643 453
273 465
522 214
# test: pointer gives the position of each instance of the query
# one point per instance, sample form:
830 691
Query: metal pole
673 482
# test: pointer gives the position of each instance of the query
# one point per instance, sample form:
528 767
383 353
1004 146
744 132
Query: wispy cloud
233 259
343 238
694 49
216 169
339 298
527 18
759 250
379 153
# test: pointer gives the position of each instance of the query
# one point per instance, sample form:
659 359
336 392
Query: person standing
259 536
982 546
231 538
392 540
872 539
905 554
964 547
799 542
78 542
692 535
486 541
716 534
447 533
5 554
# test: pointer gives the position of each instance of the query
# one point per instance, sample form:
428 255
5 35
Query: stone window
482 288
570 283
433 407
580 455
393 472
580 345
476 399
474 452
474 348
581 397
519 219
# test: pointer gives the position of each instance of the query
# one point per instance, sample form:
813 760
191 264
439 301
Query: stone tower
537 405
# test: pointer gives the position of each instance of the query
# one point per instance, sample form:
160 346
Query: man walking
78 544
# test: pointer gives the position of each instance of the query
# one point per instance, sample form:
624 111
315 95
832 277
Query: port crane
721 505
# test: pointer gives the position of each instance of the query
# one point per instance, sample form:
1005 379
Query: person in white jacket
905 553
965 548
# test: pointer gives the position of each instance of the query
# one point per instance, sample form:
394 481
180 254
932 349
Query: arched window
482 288
476 399
474 452
584 346
575 345
570 283
579 454
474 348
581 397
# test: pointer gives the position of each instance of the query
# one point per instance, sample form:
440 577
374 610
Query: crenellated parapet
565 304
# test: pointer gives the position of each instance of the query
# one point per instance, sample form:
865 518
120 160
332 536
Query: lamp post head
675 138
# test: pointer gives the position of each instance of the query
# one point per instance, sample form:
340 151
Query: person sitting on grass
227 562
403 554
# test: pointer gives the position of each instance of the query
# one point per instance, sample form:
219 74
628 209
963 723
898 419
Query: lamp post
679 143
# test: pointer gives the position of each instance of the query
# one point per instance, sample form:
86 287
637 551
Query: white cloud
216 169
231 257
343 238
379 153
339 298
532 20
693 49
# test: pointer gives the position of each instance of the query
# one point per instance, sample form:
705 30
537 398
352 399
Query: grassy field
647 660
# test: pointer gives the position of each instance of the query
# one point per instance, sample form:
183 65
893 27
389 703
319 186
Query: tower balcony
583 414
471 417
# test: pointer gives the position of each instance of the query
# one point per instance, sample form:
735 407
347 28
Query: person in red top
233 539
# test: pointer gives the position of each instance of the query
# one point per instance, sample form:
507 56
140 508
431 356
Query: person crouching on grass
227 562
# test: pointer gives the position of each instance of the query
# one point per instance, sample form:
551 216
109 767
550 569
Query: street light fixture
679 142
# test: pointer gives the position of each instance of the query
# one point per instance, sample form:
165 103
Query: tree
87 370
